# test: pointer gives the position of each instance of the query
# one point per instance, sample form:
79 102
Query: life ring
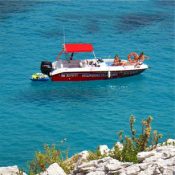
135 55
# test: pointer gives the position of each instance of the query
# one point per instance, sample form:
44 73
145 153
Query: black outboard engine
46 67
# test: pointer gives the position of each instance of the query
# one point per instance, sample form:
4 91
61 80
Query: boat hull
98 75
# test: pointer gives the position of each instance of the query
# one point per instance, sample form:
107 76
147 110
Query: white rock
53 169
143 155
160 161
168 172
165 148
143 166
100 167
121 172
10 170
169 162
105 159
114 161
96 173
120 146
152 159
87 169
148 171
83 155
171 141
132 170
113 165
92 163
126 164
142 173
103 149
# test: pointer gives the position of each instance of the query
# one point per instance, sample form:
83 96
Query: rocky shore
159 161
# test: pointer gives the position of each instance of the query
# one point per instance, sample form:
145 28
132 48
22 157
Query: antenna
64 37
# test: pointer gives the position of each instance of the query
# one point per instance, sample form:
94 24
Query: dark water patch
134 21
53 33
89 23
92 26
165 3
54 92
8 7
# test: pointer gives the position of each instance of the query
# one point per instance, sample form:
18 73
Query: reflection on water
42 92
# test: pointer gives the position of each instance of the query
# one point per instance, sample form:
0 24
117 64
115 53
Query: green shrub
134 144
131 146
50 155
95 155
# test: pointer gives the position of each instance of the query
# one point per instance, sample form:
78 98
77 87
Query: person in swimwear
142 57
117 61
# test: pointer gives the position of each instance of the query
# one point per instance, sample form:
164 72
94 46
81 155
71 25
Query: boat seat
73 64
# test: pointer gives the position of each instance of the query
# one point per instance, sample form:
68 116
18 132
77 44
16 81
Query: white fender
109 74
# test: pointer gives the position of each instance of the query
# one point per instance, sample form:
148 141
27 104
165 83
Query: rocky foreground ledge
159 161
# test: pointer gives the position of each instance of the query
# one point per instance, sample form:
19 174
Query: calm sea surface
86 113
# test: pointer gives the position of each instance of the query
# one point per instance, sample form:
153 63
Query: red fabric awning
70 48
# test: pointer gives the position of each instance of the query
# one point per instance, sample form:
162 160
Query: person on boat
117 61
71 57
141 57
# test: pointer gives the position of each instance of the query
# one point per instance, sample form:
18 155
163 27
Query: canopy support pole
57 58
94 55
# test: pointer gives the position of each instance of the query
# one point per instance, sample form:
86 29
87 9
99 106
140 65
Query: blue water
86 113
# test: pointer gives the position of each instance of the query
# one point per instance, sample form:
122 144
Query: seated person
117 61
142 57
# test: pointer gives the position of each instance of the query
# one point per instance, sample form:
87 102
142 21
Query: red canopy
70 48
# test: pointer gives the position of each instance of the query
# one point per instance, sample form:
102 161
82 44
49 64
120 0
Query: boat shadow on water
42 92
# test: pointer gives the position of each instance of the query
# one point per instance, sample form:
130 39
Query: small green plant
43 159
156 136
128 153
95 155
134 144
131 146
50 155
20 172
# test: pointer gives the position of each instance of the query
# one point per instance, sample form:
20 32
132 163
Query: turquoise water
86 113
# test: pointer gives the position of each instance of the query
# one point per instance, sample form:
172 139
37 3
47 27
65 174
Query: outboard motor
46 67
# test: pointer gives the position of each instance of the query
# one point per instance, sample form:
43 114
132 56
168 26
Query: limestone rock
132 170
10 170
105 159
119 145
97 173
53 169
171 141
83 155
92 163
160 161
104 150
143 155
113 165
